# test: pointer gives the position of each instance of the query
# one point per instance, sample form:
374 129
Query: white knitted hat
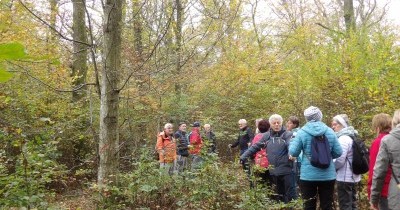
313 113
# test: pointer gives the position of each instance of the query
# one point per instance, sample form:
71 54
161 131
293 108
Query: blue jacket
302 142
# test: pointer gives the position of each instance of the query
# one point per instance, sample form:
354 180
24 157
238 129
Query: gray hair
342 119
242 121
396 118
275 117
168 125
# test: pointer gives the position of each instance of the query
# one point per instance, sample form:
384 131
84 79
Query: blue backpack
320 152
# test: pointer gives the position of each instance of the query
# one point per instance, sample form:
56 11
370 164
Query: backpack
360 163
320 152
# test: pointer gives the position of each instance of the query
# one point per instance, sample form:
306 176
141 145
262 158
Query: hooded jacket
166 148
388 156
343 163
302 142
276 145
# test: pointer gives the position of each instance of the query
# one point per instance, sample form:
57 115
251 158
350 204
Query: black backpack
360 163
320 152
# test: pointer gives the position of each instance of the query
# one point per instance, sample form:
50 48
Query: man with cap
195 145
315 180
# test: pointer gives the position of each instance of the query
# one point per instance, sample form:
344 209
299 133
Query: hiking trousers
323 189
347 195
283 187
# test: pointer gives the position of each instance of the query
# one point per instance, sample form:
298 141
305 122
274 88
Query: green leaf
11 51
148 188
4 75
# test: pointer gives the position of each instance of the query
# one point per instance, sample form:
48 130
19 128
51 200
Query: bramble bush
213 186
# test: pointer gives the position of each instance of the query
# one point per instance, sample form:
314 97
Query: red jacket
373 153
195 141
260 157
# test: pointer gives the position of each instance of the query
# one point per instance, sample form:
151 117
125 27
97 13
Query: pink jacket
260 157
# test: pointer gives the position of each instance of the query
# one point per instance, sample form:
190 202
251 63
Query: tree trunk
349 16
53 19
109 100
79 64
178 39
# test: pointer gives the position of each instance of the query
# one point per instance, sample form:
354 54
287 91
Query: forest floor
74 200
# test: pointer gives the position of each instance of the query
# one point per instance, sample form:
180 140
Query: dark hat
196 124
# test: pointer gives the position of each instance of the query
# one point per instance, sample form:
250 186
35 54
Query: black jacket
245 136
182 143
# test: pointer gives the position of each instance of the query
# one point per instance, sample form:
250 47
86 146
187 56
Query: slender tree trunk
79 57
52 35
349 15
53 19
178 39
109 100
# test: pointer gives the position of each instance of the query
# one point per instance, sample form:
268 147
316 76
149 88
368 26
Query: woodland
86 85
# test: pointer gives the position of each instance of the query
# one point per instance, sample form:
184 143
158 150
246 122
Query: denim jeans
323 189
347 195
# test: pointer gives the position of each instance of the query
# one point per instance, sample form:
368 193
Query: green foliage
9 51
214 186
34 169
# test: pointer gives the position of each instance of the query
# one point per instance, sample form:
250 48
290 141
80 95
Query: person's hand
292 158
373 206
242 161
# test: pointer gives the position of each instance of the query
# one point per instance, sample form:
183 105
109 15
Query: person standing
196 143
292 125
315 180
244 138
210 137
346 180
166 148
381 124
260 158
276 142
182 148
388 157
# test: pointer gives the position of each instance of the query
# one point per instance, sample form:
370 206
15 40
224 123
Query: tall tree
79 64
109 100
178 44
349 18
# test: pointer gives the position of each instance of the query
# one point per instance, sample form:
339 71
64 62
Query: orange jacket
166 148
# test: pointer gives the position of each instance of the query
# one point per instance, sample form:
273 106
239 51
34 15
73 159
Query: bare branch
26 72
48 25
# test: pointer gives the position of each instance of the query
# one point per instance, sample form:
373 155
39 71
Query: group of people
175 149
283 150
